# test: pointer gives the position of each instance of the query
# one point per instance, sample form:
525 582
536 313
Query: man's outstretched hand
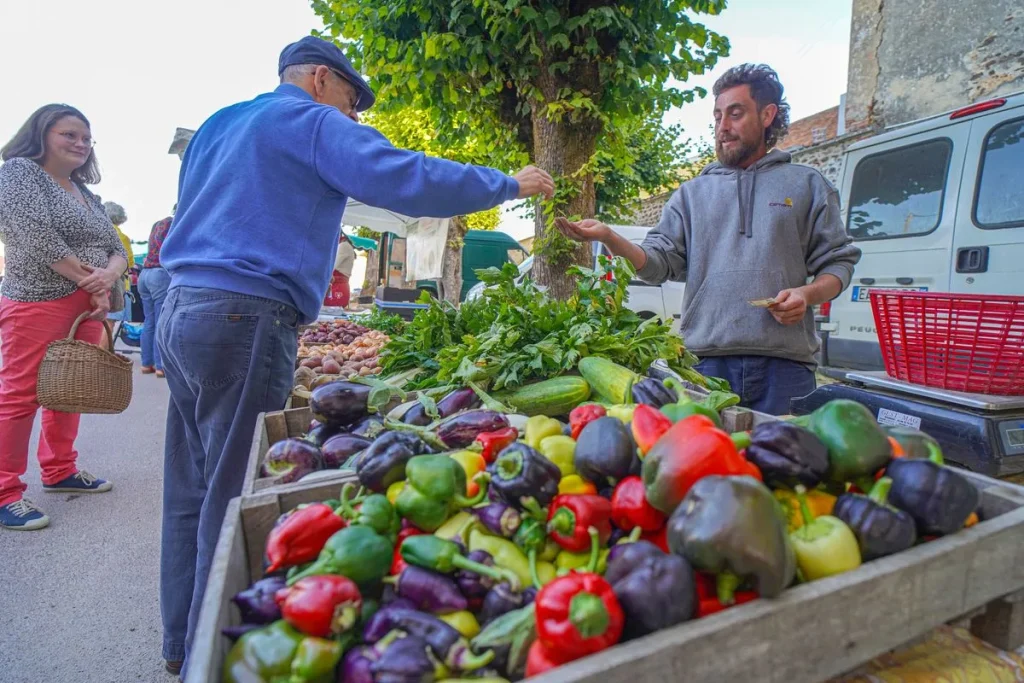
586 230
533 181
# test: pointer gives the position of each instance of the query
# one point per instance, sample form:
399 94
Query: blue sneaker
79 482
22 515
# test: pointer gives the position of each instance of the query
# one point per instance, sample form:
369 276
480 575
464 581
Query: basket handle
106 323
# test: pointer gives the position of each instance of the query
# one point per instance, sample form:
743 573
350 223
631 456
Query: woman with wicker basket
64 259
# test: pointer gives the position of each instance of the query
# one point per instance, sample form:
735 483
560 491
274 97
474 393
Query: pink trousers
25 331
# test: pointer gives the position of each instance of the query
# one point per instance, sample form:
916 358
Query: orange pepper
972 519
473 464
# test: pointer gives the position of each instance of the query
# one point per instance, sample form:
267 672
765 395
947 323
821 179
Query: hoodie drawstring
750 205
746 212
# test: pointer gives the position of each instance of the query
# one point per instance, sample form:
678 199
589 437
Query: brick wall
812 130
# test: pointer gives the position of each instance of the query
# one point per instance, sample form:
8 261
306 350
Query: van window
899 193
1000 202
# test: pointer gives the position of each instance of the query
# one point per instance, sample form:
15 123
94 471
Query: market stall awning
364 243
359 215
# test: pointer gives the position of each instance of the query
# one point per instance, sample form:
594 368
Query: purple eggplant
340 403
417 415
429 591
655 590
338 449
383 463
458 401
471 584
369 427
462 429
447 644
256 604
291 460
499 518
320 434
502 599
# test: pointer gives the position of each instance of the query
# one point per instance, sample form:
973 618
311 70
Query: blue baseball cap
312 50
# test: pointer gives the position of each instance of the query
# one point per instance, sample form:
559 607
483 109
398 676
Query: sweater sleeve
360 163
24 217
665 245
830 249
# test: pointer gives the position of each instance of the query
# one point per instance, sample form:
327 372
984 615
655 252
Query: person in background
117 215
63 259
261 195
153 283
340 294
751 226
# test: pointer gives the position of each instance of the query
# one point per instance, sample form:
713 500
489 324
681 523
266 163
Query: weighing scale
982 433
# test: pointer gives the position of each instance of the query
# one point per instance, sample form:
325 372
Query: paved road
78 600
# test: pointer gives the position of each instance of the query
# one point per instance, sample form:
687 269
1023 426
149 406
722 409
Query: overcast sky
139 69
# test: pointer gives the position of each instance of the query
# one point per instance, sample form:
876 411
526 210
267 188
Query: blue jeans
765 384
153 284
228 357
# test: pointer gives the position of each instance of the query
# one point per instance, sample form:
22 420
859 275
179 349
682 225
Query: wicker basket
78 377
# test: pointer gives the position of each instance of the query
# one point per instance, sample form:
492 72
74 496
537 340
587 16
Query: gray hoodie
734 235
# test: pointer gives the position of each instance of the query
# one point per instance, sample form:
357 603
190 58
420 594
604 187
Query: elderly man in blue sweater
262 191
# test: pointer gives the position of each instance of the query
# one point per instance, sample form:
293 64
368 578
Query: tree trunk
372 272
451 268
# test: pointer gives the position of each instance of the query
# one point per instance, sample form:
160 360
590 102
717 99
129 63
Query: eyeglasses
74 139
359 94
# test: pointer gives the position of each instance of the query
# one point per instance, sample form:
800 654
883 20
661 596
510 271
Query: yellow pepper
464 622
540 426
561 450
473 464
622 413
574 483
545 572
567 560
821 503
507 555
457 527
394 490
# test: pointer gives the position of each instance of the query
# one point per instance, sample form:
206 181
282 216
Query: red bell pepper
630 508
658 538
581 416
323 606
577 615
494 442
541 659
397 563
301 536
571 516
649 424
707 596
693 449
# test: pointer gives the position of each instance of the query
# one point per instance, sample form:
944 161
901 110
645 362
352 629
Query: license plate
860 293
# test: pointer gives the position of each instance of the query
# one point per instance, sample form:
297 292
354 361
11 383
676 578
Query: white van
646 300
934 205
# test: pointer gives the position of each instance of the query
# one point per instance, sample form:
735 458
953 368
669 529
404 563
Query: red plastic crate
961 342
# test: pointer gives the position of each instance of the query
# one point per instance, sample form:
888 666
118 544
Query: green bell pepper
358 552
375 511
435 489
279 652
709 406
439 555
857 446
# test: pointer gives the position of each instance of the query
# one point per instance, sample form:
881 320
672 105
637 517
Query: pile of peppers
521 550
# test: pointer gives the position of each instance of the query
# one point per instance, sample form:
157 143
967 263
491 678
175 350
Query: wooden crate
811 633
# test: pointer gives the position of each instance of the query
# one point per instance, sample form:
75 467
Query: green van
482 249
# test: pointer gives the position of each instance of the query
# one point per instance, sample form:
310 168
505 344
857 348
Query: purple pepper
236 632
499 518
256 604
502 599
655 590
631 554
429 591
404 661
475 585
356 666
446 643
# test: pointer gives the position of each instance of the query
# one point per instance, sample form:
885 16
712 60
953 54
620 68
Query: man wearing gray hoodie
751 226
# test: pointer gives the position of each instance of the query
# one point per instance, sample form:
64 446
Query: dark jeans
228 357
765 384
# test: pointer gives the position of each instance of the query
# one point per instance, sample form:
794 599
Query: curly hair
765 88
30 141
115 212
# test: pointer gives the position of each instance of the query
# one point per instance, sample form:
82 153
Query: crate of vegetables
640 543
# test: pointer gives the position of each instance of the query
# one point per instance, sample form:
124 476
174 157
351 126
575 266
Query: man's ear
768 114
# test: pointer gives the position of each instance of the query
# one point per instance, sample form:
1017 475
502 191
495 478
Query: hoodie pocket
720 317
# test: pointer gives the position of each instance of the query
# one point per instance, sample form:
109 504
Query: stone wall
828 157
649 212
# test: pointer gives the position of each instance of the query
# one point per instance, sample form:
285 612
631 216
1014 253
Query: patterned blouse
42 223
156 240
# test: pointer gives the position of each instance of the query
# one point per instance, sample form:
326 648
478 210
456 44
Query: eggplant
369 427
473 585
655 590
461 430
256 604
429 591
292 459
383 463
653 392
458 401
499 518
445 642
339 448
321 433
340 403
605 451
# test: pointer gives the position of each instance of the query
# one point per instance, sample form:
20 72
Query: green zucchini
608 379
552 397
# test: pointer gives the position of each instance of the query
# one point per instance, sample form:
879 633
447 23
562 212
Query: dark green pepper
857 446
439 555
279 652
435 487
375 511
709 406
358 552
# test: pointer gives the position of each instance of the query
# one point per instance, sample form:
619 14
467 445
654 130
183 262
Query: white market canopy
359 215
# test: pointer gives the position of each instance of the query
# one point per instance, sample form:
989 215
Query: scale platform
980 432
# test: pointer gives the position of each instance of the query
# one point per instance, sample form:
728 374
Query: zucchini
552 397
609 380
